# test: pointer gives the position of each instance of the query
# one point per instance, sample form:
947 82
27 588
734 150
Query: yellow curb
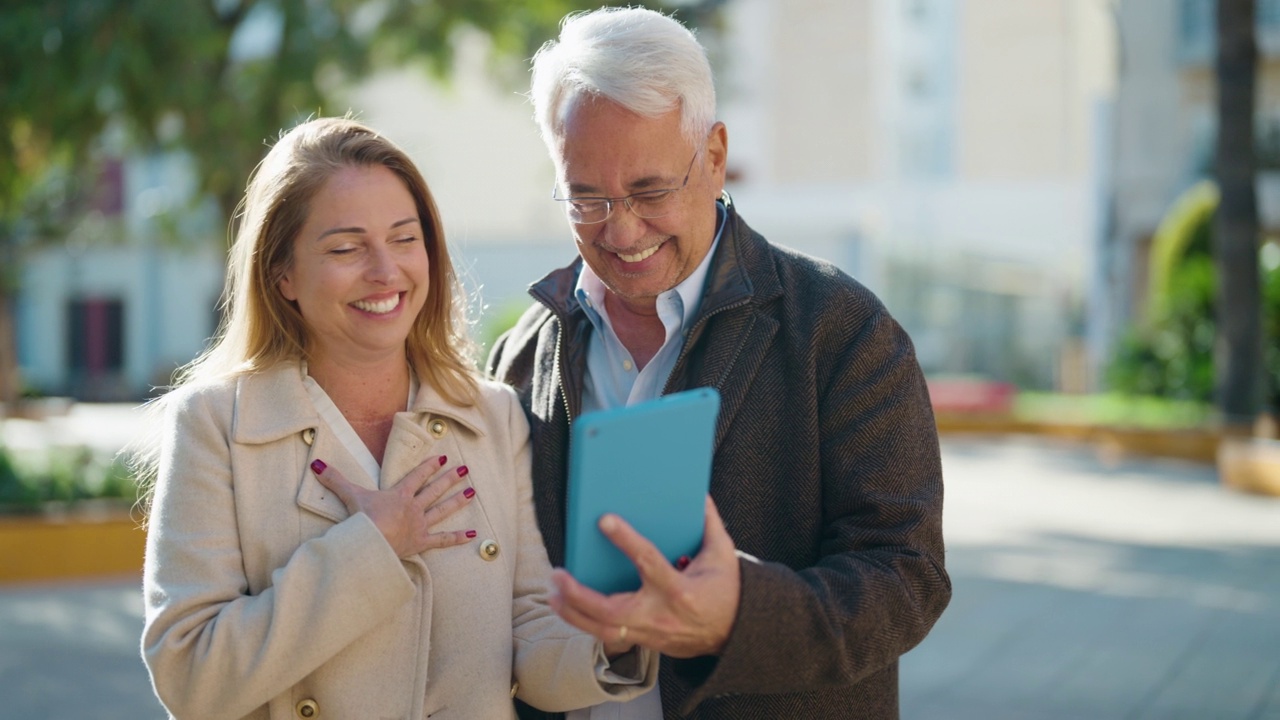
1190 444
1251 465
39 548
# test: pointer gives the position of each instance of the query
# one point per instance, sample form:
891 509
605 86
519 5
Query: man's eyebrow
645 183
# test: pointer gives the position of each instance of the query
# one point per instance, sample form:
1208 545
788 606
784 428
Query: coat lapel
732 336
735 342
429 429
273 404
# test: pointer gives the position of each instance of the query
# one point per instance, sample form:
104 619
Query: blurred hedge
63 476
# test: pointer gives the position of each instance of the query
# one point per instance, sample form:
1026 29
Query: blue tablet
649 463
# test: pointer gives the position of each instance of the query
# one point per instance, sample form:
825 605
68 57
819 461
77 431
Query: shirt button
626 365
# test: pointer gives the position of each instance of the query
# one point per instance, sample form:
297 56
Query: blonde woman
342 523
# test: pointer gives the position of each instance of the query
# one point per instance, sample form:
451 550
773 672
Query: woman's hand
406 512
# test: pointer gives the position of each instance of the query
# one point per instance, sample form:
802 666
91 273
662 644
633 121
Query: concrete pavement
1084 589
1130 589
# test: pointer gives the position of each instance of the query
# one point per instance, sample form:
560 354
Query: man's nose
623 227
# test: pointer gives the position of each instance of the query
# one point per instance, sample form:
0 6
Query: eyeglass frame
609 202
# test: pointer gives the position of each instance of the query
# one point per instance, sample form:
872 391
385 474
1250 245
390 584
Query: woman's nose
382 266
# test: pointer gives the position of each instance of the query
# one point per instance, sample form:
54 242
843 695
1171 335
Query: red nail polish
318 466
682 562
462 471
443 459
469 492
471 533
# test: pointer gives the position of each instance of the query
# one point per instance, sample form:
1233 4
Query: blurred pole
1238 356
10 377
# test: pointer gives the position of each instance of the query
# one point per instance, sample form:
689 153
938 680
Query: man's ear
718 155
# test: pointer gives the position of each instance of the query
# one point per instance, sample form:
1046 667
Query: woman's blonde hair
260 328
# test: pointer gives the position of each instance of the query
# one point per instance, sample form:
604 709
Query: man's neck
637 325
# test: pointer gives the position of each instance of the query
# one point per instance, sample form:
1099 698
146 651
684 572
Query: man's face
606 151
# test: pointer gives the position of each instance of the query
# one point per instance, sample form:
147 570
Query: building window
95 347
1198 27
108 190
1268 15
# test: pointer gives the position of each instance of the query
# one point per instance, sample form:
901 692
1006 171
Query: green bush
1173 356
1170 354
62 475
15 492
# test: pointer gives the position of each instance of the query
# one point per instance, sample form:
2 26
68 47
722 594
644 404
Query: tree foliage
1171 353
215 79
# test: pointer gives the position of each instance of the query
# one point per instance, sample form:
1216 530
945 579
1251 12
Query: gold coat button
438 428
309 435
489 549
307 708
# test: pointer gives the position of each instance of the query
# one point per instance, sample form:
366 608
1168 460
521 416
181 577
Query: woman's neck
368 395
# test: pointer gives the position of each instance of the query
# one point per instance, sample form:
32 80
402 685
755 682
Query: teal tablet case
649 463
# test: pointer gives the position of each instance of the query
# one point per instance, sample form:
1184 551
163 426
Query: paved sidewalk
1138 590
72 651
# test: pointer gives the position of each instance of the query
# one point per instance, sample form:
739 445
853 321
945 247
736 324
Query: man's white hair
643 60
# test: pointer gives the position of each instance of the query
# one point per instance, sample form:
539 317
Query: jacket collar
740 271
273 404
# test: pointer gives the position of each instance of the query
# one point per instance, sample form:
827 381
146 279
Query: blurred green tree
1171 352
216 79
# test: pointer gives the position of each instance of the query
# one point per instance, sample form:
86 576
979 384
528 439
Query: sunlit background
1029 185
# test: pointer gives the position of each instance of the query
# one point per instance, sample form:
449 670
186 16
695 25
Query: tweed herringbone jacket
826 472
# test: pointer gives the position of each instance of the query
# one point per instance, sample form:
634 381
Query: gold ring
622 634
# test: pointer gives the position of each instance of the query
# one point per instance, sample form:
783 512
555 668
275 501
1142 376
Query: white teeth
641 255
380 307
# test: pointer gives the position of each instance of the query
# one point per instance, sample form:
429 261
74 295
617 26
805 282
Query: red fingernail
683 562
471 533
469 492
462 471
443 459
318 466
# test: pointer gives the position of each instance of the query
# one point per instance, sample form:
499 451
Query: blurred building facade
129 294
1166 126
950 154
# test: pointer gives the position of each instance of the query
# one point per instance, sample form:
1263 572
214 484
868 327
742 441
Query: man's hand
406 512
682 614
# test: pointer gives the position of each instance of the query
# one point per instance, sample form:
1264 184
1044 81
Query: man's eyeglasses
647 204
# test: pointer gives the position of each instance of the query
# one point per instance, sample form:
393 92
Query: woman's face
360 271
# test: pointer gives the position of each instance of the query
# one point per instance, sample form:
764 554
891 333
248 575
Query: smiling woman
334 483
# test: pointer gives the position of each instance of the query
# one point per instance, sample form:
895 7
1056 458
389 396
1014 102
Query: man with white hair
828 563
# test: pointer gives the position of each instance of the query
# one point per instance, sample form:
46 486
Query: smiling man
822 561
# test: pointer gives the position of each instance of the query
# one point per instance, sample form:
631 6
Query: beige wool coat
266 599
